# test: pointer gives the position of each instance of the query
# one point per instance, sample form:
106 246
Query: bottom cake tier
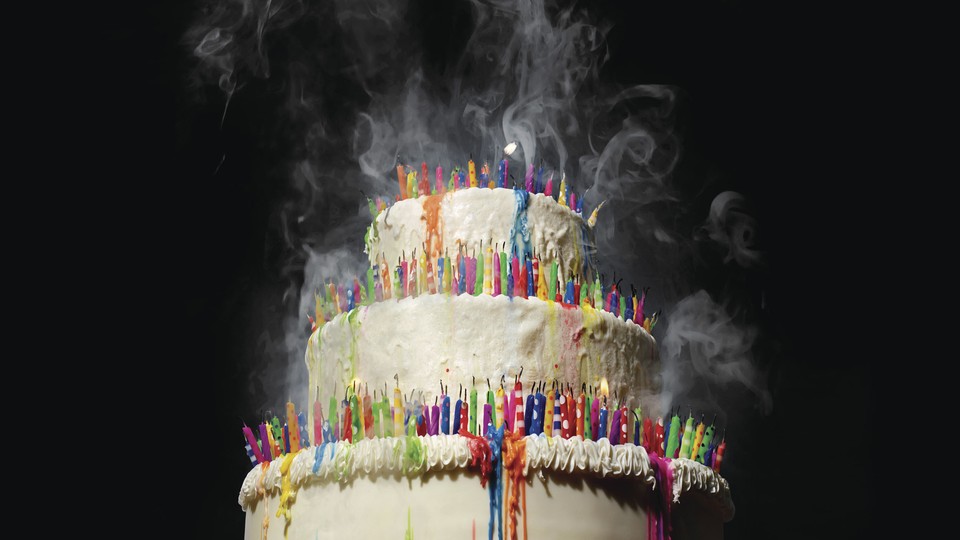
451 486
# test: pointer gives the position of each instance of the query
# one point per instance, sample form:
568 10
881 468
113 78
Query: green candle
688 430
503 272
387 417
446 275
478 285
333 416
375 406
623 306
492 401
597 294
674 436
587 430
357 418
473 411
370 293
552 286
705 444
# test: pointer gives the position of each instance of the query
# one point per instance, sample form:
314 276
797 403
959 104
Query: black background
766 91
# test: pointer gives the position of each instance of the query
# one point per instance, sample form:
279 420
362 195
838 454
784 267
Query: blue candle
568 295
531 284
557 425
528 414
636 430
462 286
602 427
456 416
286 439
501 173
304 434
541 410
445 415
440 274
538 187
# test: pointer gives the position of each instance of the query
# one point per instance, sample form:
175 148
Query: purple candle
487 411
265 442
528 180
435 420
248 434
615 431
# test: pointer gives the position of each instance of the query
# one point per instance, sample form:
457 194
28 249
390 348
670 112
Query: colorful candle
473 411
487 420
487 267
701 453
531 278
602 432
636 427
687 442
357 407
568 294
412 184
293 428
317 420
595 418
697 438
659 435
562 197
334 418
472 167
718 455
397 412
529 413
502 173
402 180
549 407
615 427
424 179
587 421
434 419
503 271
367 415
252 445
304 434
673 436
492 402
624 424
519 424
465 416
528 179
559 413
649 437
514 289
552 285
508 411
539 185
462 267
447 275
445 415
439 179
581 404
497 279
521 287
498 407
548 191
457 414
478 270
265 442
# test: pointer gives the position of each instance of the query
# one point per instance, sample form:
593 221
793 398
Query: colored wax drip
519 233
431 217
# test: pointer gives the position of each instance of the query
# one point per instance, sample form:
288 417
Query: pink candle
440 187
252 441
496 275
317 422
515 269
404 267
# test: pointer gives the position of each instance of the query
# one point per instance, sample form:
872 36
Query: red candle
367 416
576 291
624 414
564 417
465 416
718 456
348 423
658 441
521 284
424 179
648 435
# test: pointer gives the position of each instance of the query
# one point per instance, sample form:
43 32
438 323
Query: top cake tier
525 223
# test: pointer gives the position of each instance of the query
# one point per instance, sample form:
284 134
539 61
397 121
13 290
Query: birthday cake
482 379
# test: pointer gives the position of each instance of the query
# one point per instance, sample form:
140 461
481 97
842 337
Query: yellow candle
498 406
293 428
487 270
472 169
397 412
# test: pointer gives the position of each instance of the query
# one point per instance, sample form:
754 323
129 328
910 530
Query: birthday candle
503 271
559 412
317 420
497 280
573 203
673 436
649 437
539 185
334 419
401 179
597 293
342 296
561 405
434 419
587 421
439 179
581 403
457 414
472 167
492 402
275 438
487 282
471 278
376 409
658 443
487 411
286 438
465 416
357 410
530 278
498 407
615 427
265 442
624 423
514 289
602 431
528 179
529 413
252 446
595 418
548 191
304 434
541 282
294 430
445 415
397 412
454 174
422 278
553 280
562 198
411 279
431 283
473 411
462 286
447 275
462 178
637 431
521 288
367 415
718 455
423 419
519 425
385 279
250 454
501 173
568 295
508 417
576 291
623 307
412 184
701 454
478 266
687 442
350 300
697 438
485 176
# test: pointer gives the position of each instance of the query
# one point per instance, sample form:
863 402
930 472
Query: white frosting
384 457
459 338
469 216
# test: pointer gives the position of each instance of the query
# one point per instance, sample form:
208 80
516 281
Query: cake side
523 222
470 339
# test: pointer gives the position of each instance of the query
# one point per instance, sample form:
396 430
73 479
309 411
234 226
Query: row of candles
492 273
554 412
414 183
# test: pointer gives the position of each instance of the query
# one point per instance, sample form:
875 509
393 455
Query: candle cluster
494 272
414 182
557 411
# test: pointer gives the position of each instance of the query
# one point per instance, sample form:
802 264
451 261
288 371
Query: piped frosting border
341 461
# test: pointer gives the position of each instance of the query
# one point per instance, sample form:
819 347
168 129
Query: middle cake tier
469 339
